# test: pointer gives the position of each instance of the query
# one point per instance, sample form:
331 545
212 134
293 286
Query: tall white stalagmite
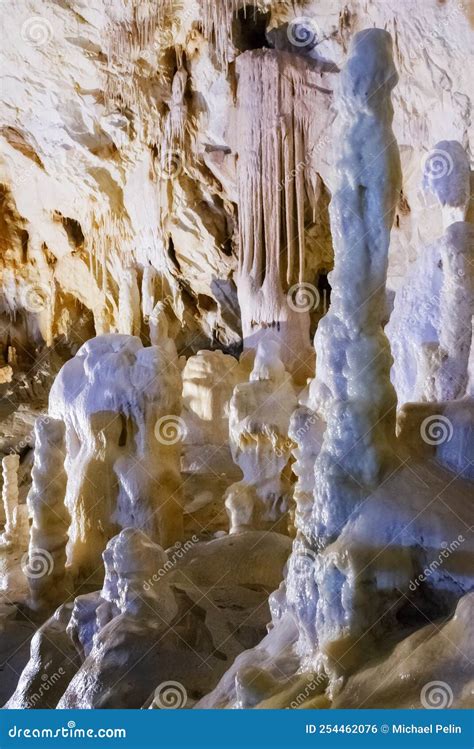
430 326
277 100
46 504
456 310
10 465
352 390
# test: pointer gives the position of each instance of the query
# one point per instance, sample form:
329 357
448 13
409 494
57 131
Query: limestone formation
260 413
10 465
209 379
46 565
201 508
430 342
120 403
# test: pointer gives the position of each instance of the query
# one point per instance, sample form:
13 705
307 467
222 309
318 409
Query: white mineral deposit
236 362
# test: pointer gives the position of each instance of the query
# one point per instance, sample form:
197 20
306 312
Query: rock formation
430 344
200 508
10 466
46 566
260 413
120 403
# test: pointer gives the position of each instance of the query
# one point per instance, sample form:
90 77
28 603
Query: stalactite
127 40
217 18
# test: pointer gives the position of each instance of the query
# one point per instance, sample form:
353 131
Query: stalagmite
259 417
212 510
10 464
209 379
352 389
456 311
45 569
129 303
277 102
121 404
430 327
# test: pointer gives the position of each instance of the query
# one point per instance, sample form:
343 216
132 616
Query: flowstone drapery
277 102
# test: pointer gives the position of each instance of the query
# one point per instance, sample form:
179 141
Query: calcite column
352 389
10 465
46 564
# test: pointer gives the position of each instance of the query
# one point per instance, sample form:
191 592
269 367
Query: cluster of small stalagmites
77 653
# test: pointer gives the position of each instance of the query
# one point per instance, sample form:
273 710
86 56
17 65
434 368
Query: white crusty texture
352 389
121 404
430 327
